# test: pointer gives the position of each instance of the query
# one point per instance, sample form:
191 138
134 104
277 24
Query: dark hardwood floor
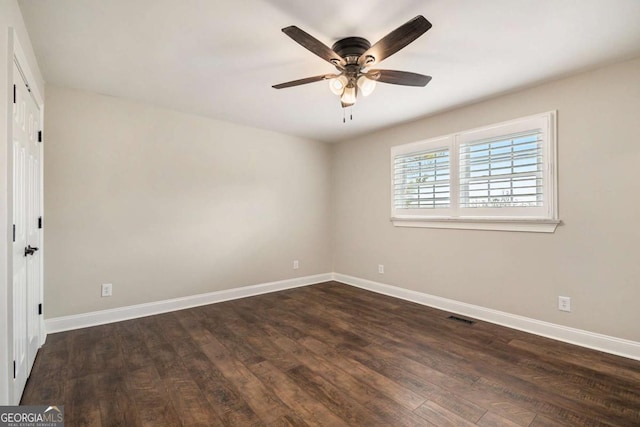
330 355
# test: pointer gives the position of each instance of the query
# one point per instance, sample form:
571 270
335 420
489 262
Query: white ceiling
219 58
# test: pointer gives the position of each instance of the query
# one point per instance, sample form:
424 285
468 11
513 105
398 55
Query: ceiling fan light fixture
349 95
338 84
353 56
366 85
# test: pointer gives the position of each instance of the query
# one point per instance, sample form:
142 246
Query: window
421 180
499 177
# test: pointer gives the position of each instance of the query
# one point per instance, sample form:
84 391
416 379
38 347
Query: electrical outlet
107 289
380 268
564 303
296 264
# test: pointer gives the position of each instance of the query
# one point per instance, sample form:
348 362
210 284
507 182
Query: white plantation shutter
498 177
421 180
503 171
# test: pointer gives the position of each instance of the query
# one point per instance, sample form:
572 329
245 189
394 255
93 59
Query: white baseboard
77 321
605 343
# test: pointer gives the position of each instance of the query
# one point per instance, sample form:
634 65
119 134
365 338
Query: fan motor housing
351 47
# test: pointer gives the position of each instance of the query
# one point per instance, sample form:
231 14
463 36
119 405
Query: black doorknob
29 250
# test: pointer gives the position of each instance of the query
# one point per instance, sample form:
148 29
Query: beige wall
594 257
164 204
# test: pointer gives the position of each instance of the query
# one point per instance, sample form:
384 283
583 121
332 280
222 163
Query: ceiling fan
353 57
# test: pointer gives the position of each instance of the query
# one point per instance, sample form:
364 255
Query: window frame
534 219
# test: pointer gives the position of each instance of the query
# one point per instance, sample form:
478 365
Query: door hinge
40 309
14 232
14 369
14 94
39 222
39 136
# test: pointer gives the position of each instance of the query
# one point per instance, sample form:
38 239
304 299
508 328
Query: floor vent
460 319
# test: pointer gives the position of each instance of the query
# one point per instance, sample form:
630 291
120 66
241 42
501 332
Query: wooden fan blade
305 81
394 41
394 77
314 45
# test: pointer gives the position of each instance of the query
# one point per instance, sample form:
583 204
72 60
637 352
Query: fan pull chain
344 114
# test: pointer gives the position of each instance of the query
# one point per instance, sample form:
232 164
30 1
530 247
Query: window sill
498 224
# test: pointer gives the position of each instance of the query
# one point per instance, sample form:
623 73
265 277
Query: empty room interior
281 213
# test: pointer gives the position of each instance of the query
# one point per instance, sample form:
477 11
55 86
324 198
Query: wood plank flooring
330 355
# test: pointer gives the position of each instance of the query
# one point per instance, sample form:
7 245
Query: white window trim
452 218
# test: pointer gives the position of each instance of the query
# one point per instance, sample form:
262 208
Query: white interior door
27 234
19 234
33 225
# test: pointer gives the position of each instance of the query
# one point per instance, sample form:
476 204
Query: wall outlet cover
107 289
564 303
